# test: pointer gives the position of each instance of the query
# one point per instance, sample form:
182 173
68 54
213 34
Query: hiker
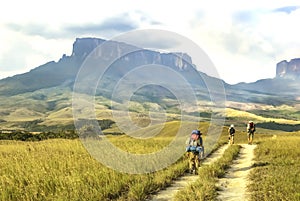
250 131
195 150
231 132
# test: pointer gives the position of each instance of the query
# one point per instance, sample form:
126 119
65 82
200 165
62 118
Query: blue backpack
194 136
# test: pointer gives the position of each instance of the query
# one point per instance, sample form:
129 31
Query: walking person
250 131
195 150
231 132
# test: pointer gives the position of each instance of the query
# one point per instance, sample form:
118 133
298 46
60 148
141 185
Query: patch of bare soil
234 185
169 193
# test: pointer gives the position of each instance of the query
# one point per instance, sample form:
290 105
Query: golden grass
23 114
63 170
276 172
247 115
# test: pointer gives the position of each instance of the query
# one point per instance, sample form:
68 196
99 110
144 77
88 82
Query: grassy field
63 170
276 175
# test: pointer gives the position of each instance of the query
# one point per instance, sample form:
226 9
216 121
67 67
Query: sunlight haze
243 39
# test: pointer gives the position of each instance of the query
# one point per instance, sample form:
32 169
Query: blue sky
244 39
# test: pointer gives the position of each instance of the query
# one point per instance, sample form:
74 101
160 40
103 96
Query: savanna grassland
62 169
276 172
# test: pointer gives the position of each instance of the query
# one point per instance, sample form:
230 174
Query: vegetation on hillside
272 125
48 132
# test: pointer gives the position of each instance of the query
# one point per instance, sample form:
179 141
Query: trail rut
234 185
168 193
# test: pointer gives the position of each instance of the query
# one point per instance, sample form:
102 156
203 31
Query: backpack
195 136
231 131
251 125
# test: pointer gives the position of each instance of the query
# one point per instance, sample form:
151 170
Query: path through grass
204 188
186 179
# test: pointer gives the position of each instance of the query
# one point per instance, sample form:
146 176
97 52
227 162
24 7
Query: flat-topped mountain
285 83
64 71
43 96
289 70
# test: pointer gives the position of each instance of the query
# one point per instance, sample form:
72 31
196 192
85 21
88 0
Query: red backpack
251 125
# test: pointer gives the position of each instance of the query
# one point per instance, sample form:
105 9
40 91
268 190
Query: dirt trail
233 185
169 193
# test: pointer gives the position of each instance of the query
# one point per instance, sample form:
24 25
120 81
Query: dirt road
169 193
233 185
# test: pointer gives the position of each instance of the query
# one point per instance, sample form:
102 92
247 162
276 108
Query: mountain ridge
64 71
43 96
53 73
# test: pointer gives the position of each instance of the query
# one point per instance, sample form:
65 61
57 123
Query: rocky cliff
64 71
285 83
84 46
290 70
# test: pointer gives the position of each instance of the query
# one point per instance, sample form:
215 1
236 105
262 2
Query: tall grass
63 170
55 170
276 175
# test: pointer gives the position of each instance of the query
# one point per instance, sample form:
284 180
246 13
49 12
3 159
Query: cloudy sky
244 39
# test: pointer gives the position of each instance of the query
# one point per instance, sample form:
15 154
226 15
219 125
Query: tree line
67 132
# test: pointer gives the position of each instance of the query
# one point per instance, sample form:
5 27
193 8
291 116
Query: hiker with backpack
250 131
231 132
195 150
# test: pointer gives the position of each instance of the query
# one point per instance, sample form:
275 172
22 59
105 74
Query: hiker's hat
198 132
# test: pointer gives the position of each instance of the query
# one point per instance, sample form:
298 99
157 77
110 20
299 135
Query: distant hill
285 84
51 74
277 86
43 96
63 72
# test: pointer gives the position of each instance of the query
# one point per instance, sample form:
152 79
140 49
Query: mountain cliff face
290 70
43 96
83 46
286 83
64 71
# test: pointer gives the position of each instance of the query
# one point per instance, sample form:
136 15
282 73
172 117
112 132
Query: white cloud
245 42
236 35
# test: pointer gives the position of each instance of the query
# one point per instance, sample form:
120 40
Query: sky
243 39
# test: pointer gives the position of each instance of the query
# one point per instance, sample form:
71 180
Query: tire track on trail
234 185
183 181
